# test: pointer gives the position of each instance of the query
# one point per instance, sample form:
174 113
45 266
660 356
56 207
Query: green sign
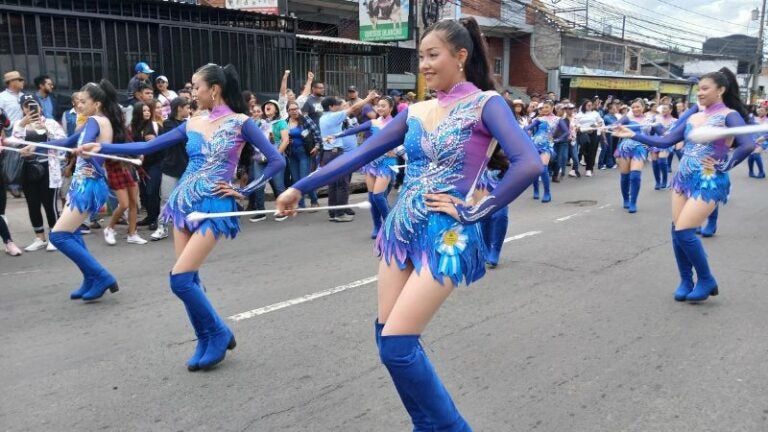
384 20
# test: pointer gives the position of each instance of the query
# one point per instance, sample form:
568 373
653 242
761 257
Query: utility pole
758 57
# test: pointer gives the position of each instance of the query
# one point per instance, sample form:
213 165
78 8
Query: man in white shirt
9 98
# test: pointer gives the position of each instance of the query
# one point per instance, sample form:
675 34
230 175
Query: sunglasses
15 79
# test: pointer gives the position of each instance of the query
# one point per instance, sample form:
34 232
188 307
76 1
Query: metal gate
339 71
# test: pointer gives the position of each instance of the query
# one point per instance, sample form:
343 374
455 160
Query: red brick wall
523 72
496 50
484 8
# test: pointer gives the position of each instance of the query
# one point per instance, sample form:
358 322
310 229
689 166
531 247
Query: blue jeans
256 199
298 163
561 149
606 153
574 154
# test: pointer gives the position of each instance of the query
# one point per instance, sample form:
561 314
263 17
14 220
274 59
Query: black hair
640 101
138 124
247 95
143 85
328 102
466 34
177 103
228 79
104 92
583 106
185 91
302 120
725 78
317 83
512 108
40 80
392 105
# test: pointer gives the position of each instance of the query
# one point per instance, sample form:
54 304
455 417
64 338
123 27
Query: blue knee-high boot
684 268
497 231
420 421
413 373
751 164
664 168
87 282
545 182
536 188
711 228
706 284
635 179
200 331
382 205
375 216
100 280
217 337
625 189
760 169
656 173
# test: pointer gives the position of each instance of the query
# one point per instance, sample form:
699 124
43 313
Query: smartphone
34 108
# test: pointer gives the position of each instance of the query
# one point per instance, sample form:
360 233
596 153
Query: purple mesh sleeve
162 142
563 127
375 146
355 130
524 162
275 161
87 134
744 144
674 136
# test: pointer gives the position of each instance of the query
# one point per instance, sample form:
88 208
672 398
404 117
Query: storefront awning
676 89
610 83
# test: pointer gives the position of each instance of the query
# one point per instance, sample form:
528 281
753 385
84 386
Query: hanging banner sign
260 6
615 84
676 89
384 20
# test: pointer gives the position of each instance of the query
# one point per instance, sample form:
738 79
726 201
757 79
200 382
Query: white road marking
523 235
302 299
20 272
314 296
565 218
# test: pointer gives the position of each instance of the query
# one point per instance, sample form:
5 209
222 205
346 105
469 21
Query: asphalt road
575 331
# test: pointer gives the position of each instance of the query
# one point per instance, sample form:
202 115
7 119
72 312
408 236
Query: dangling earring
461 67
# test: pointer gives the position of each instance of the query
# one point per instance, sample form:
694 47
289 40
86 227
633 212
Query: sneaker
11 249
345 218
332 219
4 218
572 173
589 173
51 247
313 205
257 218
95 225
136 239
603 167
152 226
36 245
280 217
109 236
160 233
583 163
85 229
350 212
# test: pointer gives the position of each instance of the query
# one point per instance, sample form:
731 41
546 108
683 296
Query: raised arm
375 146
162 142
524 162
284 84
275 161
87 134
744 144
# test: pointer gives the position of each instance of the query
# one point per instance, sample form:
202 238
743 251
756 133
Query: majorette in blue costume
632 155
546 130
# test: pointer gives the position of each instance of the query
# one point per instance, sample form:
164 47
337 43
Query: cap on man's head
517 102
351 89
12 75
161 78
394 93
26 99
142 67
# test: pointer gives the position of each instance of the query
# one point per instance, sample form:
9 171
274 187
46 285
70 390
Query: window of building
497 65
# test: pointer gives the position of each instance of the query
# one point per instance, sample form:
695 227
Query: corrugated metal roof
339 40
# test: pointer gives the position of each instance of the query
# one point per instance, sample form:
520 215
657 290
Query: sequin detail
692 179
209 162
543 135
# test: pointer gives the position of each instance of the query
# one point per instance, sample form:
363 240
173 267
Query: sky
661 19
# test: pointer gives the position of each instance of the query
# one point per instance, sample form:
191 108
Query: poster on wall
260 6
385 20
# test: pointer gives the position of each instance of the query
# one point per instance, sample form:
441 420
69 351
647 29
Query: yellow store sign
677 89
615 84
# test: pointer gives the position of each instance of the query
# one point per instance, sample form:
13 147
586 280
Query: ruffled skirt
632 150
703 184
177 215
87 194
381 167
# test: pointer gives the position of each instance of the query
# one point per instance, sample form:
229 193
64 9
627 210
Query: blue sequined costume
544 129
629 148
210 161
661 130
446 155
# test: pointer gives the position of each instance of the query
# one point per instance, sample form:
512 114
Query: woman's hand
90 147
708 163
444 203
287 202
623 132
224 189
28 151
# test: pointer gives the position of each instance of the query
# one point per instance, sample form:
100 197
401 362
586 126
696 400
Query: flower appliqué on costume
708 179
452 243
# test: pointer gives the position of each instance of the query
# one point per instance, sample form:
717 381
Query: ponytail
229 80
725 78
104 92
466 34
